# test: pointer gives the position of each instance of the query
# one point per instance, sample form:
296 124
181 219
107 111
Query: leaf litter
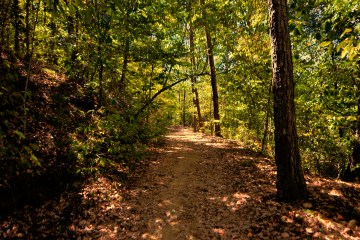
194 187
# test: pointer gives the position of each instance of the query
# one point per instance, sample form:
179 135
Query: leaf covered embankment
36 161
59 135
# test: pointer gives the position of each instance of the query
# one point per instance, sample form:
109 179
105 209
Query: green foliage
327 85
111 139
121 53
16 151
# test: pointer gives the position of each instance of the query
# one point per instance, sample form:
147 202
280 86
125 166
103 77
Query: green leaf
72 8
103 162
88 16
35 160
20 134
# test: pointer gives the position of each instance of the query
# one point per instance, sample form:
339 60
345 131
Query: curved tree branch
163 90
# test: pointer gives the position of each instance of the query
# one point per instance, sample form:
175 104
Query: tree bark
197 119
101 72
290 184
17 22
210 53
27 29
124 67
125 56
352 172
266 124
184 109
4 15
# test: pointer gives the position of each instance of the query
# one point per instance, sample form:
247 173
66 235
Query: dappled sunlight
335 192
219 231
197 191
234 201
320 226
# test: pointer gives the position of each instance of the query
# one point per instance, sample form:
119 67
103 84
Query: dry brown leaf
285 235
352 223
307 205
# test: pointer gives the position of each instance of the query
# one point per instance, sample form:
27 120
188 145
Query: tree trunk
184 109
4 15
17 22
27 29
352 172
101 72
266 124
290 179
210 53
197 119
125 66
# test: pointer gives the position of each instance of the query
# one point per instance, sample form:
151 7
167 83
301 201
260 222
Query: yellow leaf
345 51
346 31
351 118
325 44
35 159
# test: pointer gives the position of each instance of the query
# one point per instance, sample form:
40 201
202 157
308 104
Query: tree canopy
135 67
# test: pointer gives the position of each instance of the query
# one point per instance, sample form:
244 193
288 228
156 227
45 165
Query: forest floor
196 187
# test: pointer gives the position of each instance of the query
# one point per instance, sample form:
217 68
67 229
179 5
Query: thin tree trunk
29 55
3 19
101 72
27 29
351 172
290 179
266 125
17 22
198 119
184 109
210 53
125 66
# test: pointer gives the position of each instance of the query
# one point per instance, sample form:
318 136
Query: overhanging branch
163 90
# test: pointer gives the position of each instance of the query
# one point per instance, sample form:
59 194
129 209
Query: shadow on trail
199 188
230 195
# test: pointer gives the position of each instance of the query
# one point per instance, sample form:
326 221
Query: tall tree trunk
4 15
125 66
184 109
290 178
266 124
126 55
17 22
27 29
351 173
197 120
101 72
210 53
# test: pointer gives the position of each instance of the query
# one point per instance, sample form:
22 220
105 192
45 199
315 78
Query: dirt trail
187 193
198 187
210 188
175 188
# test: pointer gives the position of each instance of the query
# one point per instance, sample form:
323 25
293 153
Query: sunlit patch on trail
234 202
335 192
219 231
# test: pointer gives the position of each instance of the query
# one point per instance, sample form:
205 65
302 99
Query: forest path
198 187
191 191
201 187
